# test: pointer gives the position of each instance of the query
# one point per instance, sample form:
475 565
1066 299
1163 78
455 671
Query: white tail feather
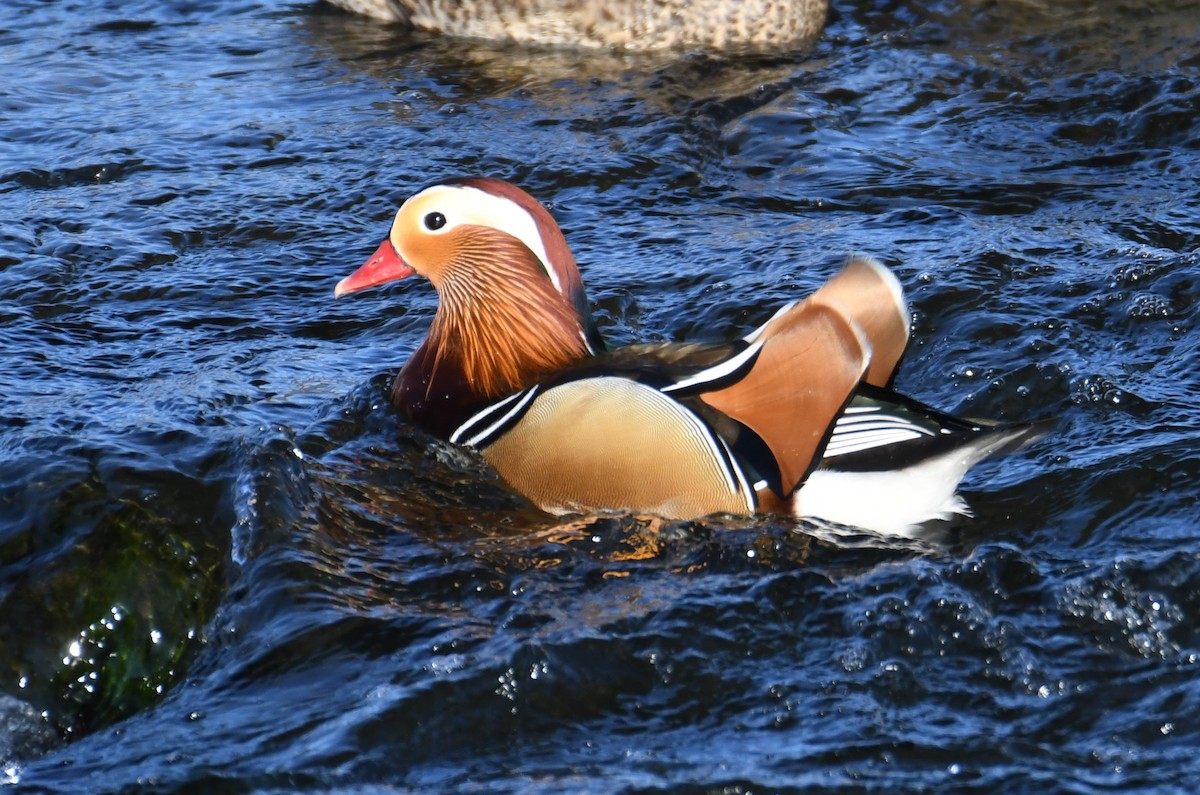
897 502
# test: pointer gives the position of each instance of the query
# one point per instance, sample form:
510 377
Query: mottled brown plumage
620 24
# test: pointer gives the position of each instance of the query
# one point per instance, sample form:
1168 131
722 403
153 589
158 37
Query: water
225 566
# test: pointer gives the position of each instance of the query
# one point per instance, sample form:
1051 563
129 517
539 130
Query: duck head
512 307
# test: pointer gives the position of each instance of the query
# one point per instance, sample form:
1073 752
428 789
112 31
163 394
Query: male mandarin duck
796 417
620 24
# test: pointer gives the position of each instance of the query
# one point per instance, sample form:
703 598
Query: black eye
435 221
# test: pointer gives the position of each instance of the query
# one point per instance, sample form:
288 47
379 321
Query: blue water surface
227 566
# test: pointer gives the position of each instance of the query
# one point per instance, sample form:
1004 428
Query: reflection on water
224 565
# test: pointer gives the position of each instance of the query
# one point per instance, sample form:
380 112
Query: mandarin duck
619 24
796 417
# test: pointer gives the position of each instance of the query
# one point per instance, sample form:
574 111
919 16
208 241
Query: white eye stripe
462 204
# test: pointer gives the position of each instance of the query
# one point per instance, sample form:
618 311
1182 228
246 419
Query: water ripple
246 573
